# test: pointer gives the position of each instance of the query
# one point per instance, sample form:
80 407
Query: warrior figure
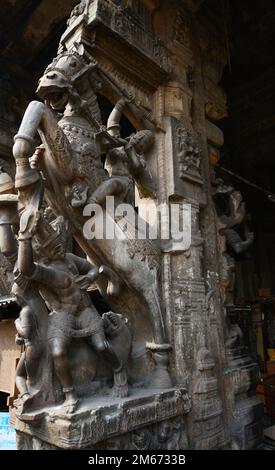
63 279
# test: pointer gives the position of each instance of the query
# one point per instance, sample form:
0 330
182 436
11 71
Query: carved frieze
169 434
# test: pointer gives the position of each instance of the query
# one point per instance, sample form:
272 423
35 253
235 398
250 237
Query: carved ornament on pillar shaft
184 161
209 427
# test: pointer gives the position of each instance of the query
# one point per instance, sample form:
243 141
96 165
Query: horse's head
58 81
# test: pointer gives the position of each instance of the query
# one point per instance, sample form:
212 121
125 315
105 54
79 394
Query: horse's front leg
24 141
39 118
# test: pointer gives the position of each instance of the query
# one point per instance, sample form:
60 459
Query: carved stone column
164 61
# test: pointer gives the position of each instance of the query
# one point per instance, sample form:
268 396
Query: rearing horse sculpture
73 146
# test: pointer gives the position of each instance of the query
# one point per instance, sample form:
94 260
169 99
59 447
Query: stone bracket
115 34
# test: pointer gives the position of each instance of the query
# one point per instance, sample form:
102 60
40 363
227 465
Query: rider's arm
37 272
83 266
134 163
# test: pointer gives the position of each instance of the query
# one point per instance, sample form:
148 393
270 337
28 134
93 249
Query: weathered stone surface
98 420
160 66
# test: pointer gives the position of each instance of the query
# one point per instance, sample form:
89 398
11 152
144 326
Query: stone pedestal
109 423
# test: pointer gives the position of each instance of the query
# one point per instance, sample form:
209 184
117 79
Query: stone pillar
169 70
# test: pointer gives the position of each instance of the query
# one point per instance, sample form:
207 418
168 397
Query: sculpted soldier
126 164
63 279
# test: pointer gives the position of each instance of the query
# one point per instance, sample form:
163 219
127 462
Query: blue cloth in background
7 434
